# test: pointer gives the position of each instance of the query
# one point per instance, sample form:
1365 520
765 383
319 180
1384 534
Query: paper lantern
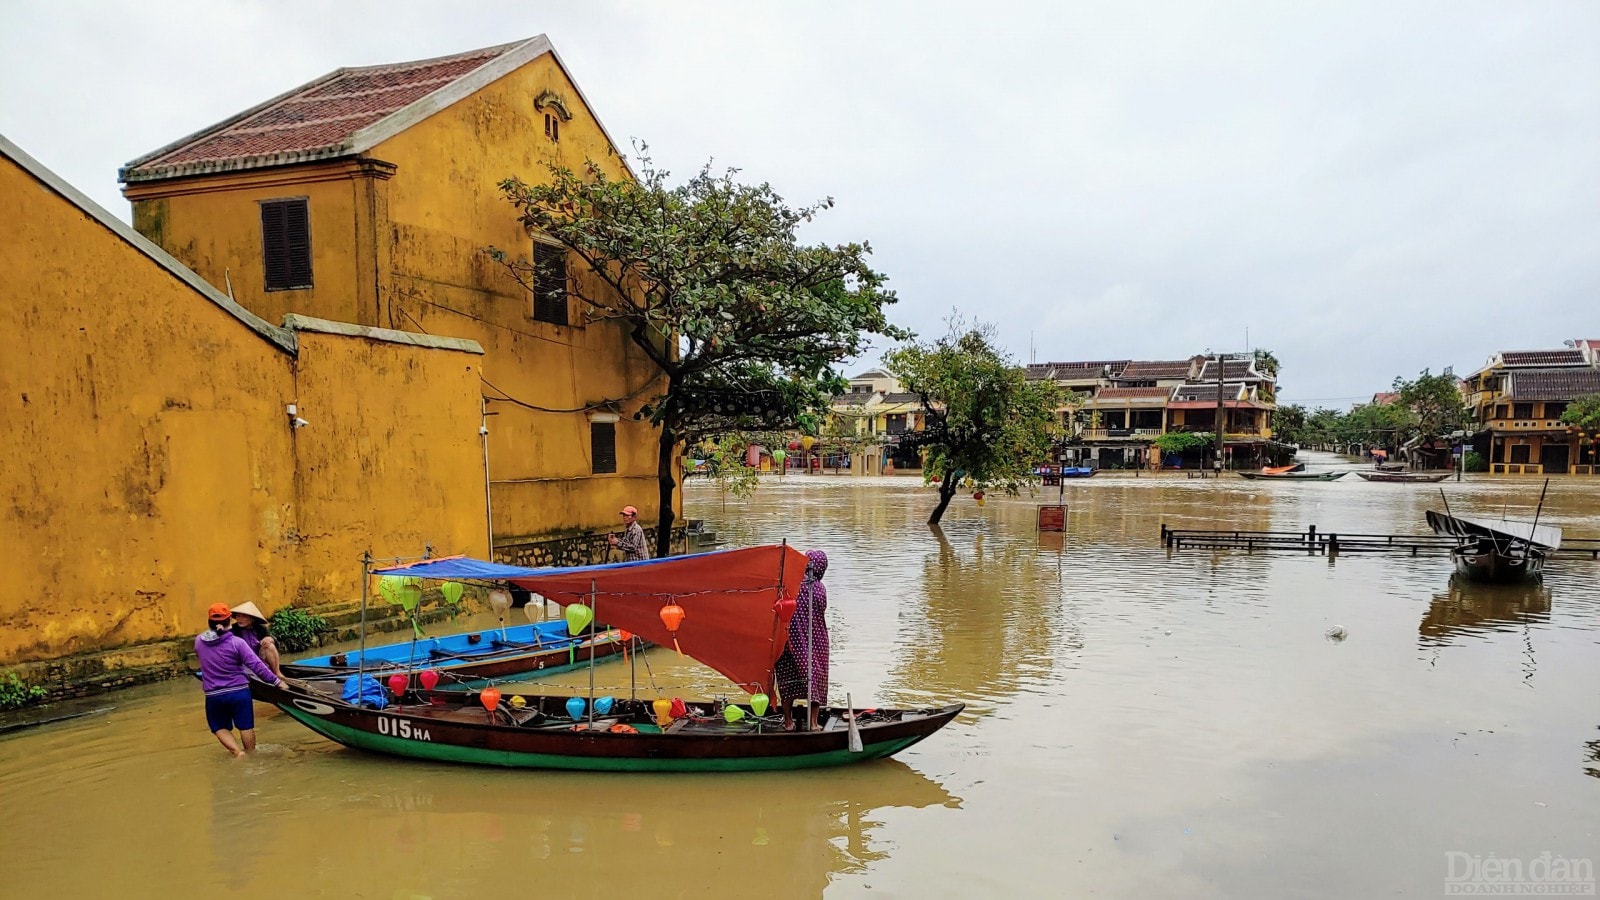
602 705
663 710
401 591
490 698
517 702
578 618
532 607
451 592
672 616
397 684
732 714
677 709
807 442
575 708
500 601
759 703
429 679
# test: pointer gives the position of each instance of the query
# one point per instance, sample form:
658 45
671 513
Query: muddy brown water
1139 724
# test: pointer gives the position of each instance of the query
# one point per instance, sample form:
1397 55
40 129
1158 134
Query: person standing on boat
226 664
802 669
251 627
632 543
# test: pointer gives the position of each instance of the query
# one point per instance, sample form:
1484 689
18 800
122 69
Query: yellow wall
149 469
406 252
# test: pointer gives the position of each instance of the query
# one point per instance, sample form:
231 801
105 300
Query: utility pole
1221 414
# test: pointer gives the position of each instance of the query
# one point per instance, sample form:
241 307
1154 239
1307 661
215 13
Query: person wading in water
226 664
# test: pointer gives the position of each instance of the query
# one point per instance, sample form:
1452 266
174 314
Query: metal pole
594 619
361 666
488 500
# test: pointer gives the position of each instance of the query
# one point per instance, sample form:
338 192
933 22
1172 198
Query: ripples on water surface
1138 725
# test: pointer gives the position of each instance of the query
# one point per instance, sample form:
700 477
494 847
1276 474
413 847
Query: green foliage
1179 441
986 422
742 320
1290 424
1266 363
295 629
1583 412
1474 462
1434 402
14 692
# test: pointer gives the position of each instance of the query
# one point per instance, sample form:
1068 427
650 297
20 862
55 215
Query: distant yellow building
166 449
369 196
1517 400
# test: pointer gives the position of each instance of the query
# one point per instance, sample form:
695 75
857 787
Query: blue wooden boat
541 648
1077 472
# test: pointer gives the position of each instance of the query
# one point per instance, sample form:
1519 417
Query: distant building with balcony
1517 400
879 412
1119 407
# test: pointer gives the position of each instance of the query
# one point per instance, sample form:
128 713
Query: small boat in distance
1077 472
1404 477
1280 470
1294 476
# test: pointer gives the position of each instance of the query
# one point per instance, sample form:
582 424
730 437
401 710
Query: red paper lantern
677 710
490 698
429 679
397 684
784 607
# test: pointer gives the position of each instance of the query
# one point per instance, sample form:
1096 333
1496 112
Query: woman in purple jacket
226 663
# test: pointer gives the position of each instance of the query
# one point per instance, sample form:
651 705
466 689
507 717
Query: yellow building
370 195
167 449
1517 400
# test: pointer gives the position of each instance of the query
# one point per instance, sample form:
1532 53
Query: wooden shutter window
603 447
549 283
286 244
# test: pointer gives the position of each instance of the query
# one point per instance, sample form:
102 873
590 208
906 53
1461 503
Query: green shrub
1475 462
295 629
15 692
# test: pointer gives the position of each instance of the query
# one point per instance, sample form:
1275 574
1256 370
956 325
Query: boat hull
1403 477
423 731
1483 562
1293 476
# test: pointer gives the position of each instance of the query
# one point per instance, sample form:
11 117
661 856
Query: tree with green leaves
986 422
1289 424
1583 412
1435 403
711 281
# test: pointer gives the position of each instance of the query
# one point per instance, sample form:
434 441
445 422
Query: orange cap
629 511
218 612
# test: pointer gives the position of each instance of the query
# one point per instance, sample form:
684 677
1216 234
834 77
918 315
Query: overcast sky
1367 188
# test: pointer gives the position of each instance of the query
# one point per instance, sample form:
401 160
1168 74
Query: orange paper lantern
672 616
490 698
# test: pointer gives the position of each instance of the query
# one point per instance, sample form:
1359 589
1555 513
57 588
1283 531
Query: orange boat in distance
1283 470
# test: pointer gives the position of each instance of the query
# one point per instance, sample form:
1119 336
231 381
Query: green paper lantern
578 618
451 592
759 702
733 714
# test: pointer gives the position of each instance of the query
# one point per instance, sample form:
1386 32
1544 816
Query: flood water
1138 724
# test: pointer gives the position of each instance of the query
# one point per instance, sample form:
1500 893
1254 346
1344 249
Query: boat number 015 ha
401 728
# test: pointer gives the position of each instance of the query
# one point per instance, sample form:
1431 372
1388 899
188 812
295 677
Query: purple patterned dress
804 661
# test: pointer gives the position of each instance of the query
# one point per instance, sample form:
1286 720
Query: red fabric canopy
732 618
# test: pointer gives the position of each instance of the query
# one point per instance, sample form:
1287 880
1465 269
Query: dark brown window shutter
603 447
286 244
549 283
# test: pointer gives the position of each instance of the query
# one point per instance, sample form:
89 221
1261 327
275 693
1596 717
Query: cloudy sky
1367 189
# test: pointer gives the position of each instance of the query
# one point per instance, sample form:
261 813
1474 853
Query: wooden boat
1294 476
1389 467
541 648
1404 477
1497 550
728 609
453 727
1077 472
1280 470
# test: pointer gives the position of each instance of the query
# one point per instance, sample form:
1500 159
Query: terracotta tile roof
1147 370
1196 393
1385 398
1134 393
1542 357
901 398
1554 384
325 118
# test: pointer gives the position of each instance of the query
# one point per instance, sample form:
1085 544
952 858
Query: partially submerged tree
986 422
712 282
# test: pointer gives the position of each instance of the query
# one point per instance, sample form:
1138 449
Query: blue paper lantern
602 705
575 707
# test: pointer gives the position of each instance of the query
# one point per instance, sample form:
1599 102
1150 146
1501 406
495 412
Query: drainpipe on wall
488 500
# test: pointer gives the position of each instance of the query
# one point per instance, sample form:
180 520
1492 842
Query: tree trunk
667 479
947 490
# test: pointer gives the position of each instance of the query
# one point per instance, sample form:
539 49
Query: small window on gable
549 283
286 244
603 447
552 127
